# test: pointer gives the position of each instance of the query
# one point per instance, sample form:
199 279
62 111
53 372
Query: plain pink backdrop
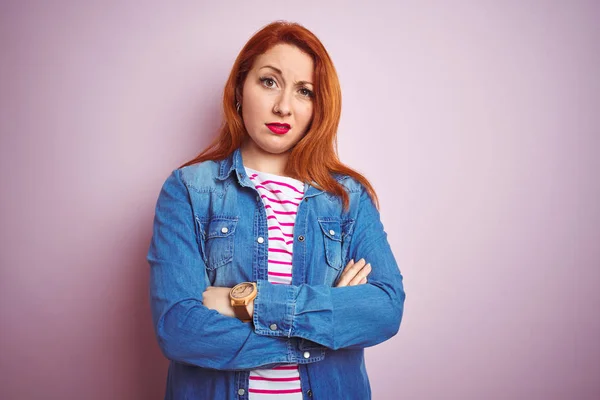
477 122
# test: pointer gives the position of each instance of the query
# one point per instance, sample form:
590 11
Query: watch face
242 290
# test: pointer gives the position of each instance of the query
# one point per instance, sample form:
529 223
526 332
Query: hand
217 298
355 273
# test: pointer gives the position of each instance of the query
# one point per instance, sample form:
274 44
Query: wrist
242 300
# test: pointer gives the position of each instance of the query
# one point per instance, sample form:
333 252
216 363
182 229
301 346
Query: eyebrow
281 74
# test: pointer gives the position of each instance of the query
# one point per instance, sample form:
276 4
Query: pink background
477 122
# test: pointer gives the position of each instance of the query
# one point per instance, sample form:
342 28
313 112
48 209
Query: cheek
254 107
305 114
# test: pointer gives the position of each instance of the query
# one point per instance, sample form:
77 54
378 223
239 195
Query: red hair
314 158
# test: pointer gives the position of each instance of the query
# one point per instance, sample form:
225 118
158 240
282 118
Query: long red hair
314 158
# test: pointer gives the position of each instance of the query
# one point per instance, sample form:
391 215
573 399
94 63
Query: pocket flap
332 229
220 227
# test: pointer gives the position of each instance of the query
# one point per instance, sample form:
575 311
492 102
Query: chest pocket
336 235
217 240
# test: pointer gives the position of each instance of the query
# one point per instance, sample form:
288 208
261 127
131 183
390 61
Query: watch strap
241 313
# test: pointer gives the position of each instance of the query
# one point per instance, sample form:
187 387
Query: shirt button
224 229
241 392
301 238
306 354
273 327
260 239
331 232
309 393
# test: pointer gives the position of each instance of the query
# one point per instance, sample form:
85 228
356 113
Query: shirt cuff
274 308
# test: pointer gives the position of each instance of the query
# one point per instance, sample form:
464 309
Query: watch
241 295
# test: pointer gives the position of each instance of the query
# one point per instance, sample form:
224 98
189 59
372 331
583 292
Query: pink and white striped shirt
281 197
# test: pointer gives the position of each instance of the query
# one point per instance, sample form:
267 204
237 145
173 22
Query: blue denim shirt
322 328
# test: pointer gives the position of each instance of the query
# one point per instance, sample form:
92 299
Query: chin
277 146
276 149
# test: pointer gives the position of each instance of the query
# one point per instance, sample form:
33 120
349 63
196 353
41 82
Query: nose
282 105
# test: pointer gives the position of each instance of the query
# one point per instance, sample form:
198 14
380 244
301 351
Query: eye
268 82
305 92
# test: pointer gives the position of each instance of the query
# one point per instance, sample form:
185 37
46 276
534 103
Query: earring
238 106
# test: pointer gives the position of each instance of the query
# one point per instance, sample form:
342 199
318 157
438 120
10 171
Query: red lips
278 128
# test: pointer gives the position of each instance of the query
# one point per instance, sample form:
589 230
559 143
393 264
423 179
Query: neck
256 158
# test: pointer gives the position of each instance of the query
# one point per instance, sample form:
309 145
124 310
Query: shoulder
199 176
350 184
357 194
360 196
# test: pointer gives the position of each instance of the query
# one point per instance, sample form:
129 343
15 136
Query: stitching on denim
224 257
226 184
203 189
290 308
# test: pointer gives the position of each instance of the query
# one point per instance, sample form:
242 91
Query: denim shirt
210 229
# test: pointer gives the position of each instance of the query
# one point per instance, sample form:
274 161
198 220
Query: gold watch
241 295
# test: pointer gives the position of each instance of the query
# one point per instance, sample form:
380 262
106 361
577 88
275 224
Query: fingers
354 273
362 274
347 273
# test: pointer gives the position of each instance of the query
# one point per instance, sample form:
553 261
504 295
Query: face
277 99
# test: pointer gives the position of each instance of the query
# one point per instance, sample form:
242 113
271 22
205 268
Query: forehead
292 61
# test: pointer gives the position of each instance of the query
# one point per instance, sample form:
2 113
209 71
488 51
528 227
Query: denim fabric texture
207 223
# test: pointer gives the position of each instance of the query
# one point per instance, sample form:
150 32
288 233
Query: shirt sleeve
346 317
186 330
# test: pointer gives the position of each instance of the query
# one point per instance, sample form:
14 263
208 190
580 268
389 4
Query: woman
270 208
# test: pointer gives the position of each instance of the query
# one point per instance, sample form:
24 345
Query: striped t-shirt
281 196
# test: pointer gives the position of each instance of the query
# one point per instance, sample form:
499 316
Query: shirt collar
235 163
231 163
